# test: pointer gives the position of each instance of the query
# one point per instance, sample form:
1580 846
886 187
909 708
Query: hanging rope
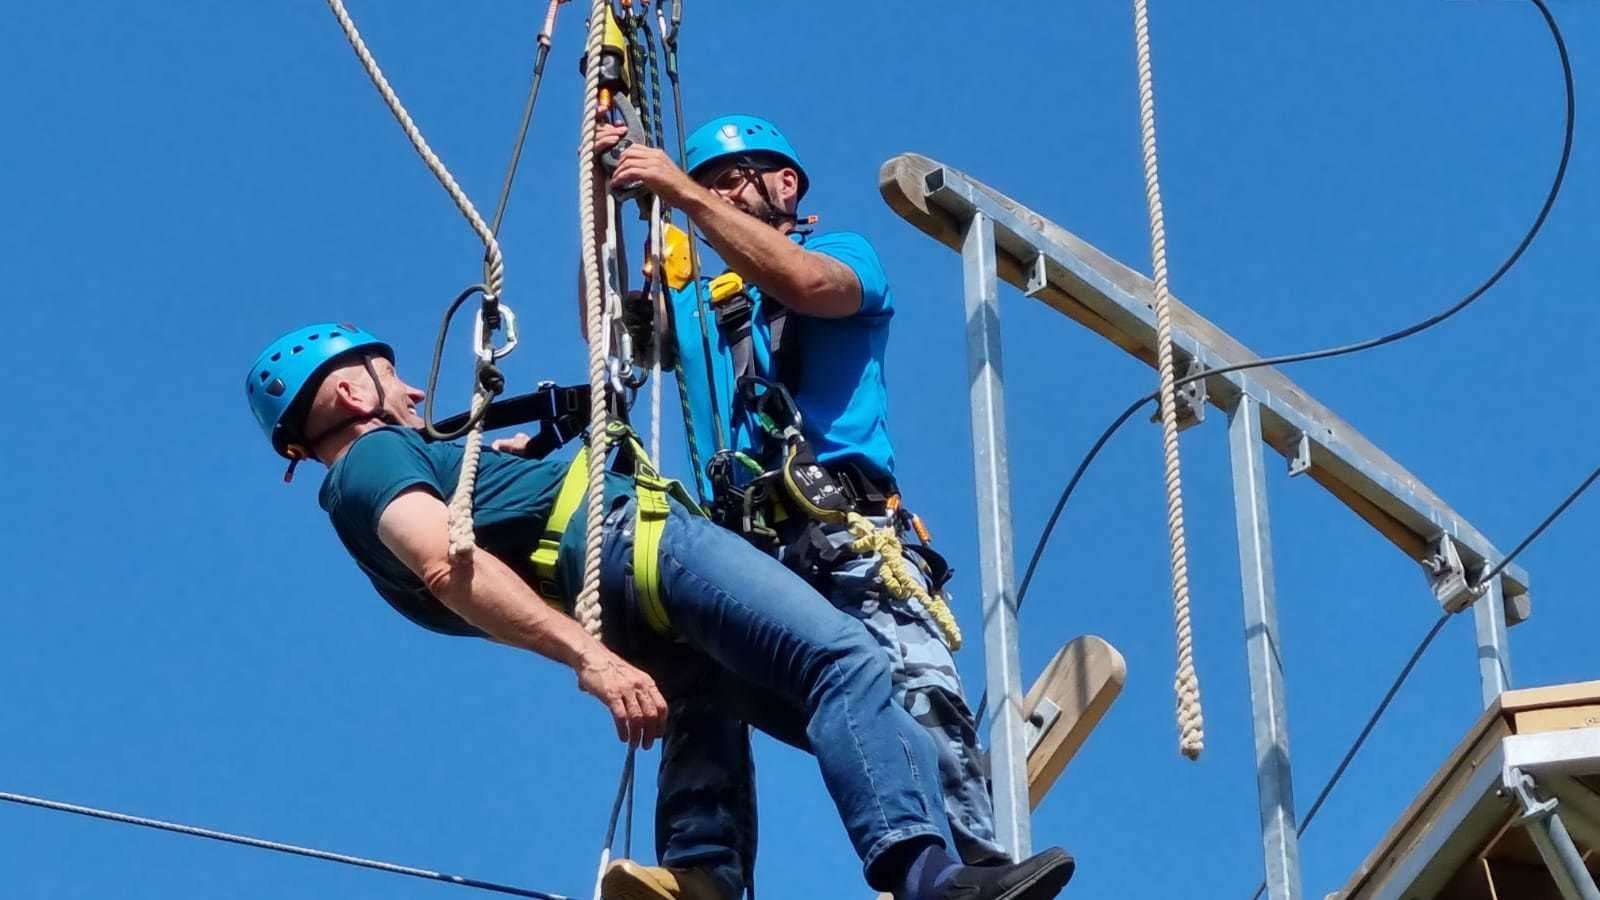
460 506
586 609
1191 721
545 39
669 43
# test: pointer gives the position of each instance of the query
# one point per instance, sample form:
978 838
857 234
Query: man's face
741 185
399 398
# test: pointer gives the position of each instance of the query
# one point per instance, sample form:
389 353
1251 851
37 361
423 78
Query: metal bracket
1447 577
1044 715
1301 463
1190 398
1533 809
1038 278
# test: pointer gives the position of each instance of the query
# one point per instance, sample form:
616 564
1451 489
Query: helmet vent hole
333 334
264 376
249 388
296 349
277 356
312 337
277 387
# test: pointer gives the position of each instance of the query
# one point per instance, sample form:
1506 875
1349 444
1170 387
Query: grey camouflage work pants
928 684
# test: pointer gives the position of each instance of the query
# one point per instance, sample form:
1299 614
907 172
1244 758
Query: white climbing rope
586 609
658 321
1191 721
460 507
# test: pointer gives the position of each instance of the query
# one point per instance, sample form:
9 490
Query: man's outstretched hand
636 705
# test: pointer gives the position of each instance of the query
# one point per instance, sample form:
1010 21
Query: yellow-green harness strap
650 522
568 499
651 491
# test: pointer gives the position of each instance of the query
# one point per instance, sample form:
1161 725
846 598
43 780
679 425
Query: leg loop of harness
653 493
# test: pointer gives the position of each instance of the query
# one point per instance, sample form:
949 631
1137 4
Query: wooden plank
1574 694
902 182
1558 718
1083 680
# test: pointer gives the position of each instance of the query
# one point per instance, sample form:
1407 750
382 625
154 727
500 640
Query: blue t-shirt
510 506
841 394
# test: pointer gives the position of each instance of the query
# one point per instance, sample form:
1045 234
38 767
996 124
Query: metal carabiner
486 352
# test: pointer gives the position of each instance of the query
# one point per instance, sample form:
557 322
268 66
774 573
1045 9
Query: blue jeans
755 643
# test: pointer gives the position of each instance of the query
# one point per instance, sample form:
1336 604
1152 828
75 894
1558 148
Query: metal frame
999 238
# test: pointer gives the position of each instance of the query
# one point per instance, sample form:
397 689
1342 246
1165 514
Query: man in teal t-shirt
726 636
810 313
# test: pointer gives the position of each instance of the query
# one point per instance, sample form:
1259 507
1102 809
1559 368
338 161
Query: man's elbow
438 576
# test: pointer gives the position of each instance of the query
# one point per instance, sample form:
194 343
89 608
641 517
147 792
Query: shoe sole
628 888
1044 883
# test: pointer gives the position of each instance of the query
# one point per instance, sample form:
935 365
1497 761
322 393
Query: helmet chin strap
773 215
307 448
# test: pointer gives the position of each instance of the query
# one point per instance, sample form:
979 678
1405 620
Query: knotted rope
1191 722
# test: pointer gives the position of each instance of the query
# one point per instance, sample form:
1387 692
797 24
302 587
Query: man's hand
655 170
517 444
636 705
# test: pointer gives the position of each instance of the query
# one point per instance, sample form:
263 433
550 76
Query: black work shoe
1039 877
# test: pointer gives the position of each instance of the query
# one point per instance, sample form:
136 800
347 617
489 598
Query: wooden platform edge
1508 715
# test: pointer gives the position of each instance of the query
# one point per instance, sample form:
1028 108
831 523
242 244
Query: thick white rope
586 609
460 516
658 322
1191 721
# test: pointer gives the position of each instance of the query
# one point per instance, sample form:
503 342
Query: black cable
258 843
522 132
1474 295
1532 535
1366 730
433 373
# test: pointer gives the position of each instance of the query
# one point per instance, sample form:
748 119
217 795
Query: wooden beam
1081 282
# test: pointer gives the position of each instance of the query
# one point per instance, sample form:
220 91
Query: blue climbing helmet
753 137
295 362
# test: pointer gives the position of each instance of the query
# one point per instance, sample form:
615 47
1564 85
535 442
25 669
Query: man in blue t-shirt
724 634
810 313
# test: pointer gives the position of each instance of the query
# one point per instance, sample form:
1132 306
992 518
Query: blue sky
186 640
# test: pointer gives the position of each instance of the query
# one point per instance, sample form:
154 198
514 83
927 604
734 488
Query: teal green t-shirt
511 504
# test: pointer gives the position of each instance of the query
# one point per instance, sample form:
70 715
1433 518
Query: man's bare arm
812 284
495 600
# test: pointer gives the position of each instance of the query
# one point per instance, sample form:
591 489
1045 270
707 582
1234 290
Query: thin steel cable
1366 731
545 40
586 609
1191 718
460 506
275 846
669 42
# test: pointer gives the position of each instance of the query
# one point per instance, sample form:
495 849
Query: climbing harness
1191 720
791 506
653 494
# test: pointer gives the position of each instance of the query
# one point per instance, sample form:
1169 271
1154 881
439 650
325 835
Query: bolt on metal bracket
1190 399
1044 715
1447 576
1301 463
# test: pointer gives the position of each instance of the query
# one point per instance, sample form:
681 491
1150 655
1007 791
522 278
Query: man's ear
788 193
350 394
